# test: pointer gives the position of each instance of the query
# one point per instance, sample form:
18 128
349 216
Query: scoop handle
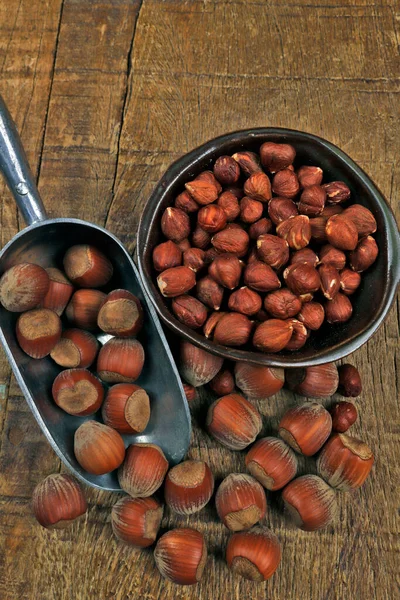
17 173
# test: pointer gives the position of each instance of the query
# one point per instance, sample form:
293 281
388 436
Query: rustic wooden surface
106 94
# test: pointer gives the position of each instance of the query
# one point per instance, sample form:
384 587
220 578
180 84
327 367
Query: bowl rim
191 159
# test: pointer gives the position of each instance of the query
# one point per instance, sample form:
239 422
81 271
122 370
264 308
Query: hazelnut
230 205
211 218
312 315
296 231
252 256
362 218
200 238
338 310
364 255
38 331
282 304
188 487
223 383
341 232
23 287
332 209
299 336
76 348
233 421
349 381
175 224
98 448
320 381
58 500
120 360
211 323
349 281
203 192
240 502
184 245
246 301
312 201
166 256
318 233
136 521
336 192
302 278
86 266
345 462
233 329
261 277
143 470
310 502
190 391
330 281
250 210
258 187
272 335
194 258
197 366
59 293
78 392
181 555
210 178
281 209
309 176
254 554
344 415
226 270
328 255
306 428
275 157
260 227
272 462
186 203
257 381
286 184
306 256
176 281
226 170
120 314
273 250
235 190
126 408
84 307
232 240
210 292
209 255
249 162
190 311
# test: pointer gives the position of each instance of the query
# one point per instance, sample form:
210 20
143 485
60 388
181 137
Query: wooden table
106 95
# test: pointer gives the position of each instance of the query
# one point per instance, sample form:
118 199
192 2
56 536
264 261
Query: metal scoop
44 242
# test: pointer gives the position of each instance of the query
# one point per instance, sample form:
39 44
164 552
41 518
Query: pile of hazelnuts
258 251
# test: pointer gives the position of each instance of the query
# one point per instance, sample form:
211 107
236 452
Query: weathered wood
126 99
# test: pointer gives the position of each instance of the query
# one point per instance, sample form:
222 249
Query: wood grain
106 95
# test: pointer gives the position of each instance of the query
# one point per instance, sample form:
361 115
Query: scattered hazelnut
126 408
197 366
234 241
175 224
211 323
233 421
246 301
76 348
58 500
181 556
233 329
260 227
250 210
211 218
302 278
350 384
344 415
38 331
203 192
328 255
345 462
330 281
341 232
312 315
272 462
282 304
273 250
249 162
258 187
86 266
306 256
223 383
281 209
258 381
310 502
230 205
120 360
143 470
349 281
312 201
78 392
338 310
176 281
299 336
236 190
309 176
190 311
261 277
166 256
120 314
275 157
200 238
240 502
362 218
194 258
226 270
306 428
210 292
332 209
84 307
320 381
23 287
286 184
226 170
296 231
336 192
98 448
254 554
364 255
186 203
136 521
209 177
272 335
59 292
188 487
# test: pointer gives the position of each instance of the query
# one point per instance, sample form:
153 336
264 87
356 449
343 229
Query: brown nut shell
59 292
240 502
38 331
126 408
272 462
98 448
233 421
143 470
190 311
306 427
233 329
58 500
272 335
181 556
310 502
76 349
254 554
197 366
87 266
120 360
258 381
345 462
166 256
84 307
23 287
136 521
188 487
121 314
78 392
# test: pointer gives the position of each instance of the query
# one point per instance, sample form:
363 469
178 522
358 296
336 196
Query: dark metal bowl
372 300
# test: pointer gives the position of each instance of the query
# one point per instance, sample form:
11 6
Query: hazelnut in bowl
270 246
